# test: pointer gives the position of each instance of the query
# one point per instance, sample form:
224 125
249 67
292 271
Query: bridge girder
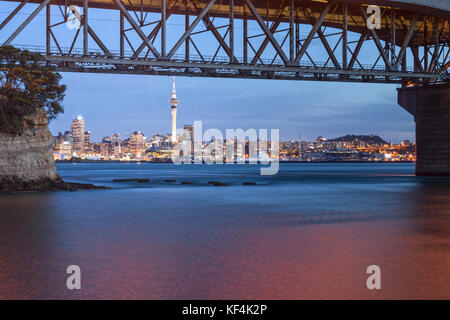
410 33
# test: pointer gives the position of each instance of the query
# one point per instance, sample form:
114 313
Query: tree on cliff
26 86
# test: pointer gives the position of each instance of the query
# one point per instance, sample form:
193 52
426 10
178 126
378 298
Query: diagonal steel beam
269 34
314 30
407 40
210 26
273 29
137 28
328 49
98 41
15 11
74 40
89 31
376 39
436 53
266 41
26 22
56 41
151 36
354 58
325 43
190 29
418 63
154 32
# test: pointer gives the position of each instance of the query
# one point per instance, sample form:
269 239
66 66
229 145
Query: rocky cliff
26 160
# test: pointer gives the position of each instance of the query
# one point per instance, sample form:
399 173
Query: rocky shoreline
14 185
26 161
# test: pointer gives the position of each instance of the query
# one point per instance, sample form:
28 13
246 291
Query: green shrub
27 85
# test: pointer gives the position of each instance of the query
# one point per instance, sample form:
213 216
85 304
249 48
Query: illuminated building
87 141
174 104
65 149
137 143
188 135
78 144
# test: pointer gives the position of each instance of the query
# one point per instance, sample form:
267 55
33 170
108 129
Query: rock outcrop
26 160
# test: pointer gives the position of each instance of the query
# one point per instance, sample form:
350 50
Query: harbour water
309 232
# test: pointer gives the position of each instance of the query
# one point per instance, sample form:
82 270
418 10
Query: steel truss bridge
276 39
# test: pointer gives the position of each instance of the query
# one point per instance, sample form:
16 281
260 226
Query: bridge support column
430 107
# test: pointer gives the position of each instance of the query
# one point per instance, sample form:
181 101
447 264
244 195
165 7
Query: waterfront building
68 137
62 150
406 143
188 132
137 143
188 135
65 150
78 136
56 141
87 141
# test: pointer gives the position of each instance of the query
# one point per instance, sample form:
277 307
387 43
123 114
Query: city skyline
87 134
77 144
142 105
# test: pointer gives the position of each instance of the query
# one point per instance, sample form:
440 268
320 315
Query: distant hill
371 139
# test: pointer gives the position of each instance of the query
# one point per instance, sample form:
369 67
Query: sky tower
174 103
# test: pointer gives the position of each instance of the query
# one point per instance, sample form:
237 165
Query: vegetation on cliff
26 85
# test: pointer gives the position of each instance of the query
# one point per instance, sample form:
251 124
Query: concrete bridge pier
430 107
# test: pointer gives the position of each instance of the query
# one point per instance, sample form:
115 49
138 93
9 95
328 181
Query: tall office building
78 136
137 143
174 104
68 137
87 142
188 135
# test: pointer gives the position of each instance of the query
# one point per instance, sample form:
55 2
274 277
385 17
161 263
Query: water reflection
308 233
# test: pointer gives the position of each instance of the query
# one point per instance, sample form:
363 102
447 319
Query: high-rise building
87 141
65 149
68 137
56 141
110 145
174 104
136 145
188 135
78 137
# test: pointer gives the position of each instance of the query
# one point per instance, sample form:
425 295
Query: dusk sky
126 103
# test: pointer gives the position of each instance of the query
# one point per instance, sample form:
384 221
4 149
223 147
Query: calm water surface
307 233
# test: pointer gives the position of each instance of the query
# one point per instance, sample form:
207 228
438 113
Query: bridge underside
261 39
248 39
